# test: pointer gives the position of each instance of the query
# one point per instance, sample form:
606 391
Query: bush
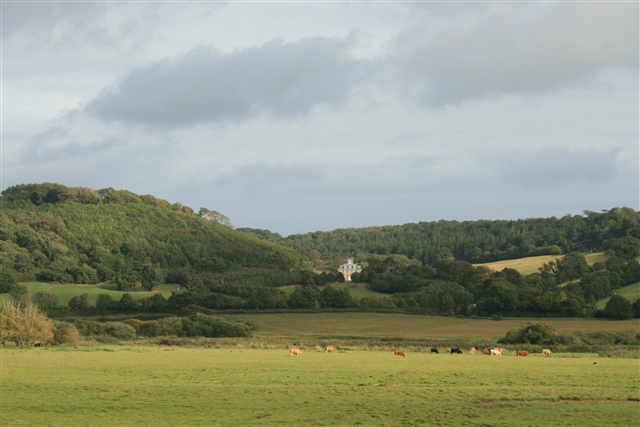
618 308
170 326
65 333
25 325
636 309
7 280
533 333
119 330
149 329
213 327
135 323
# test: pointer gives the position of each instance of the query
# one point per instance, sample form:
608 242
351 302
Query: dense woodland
53 233
58 234
473 241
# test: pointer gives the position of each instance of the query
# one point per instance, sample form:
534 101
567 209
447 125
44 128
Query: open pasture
377 326
156 386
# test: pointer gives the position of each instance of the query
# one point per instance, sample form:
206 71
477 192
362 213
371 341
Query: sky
304 116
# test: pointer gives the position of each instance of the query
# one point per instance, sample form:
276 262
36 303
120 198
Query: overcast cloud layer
298 117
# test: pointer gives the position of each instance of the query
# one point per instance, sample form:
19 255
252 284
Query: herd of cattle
489 352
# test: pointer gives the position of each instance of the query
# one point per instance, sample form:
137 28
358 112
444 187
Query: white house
348 269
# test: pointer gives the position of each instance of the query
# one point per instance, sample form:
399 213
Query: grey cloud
69 24
59 143
514 49
554 168
278 79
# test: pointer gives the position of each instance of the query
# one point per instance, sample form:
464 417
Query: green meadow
66 292
631 292
241 386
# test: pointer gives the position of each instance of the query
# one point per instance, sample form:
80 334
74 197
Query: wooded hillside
54 233
474 241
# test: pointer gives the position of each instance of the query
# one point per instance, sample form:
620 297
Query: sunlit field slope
631 292
532 264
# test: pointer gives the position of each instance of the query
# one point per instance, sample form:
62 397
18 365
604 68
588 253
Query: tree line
473 241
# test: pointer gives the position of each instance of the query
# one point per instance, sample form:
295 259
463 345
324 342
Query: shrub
25 325
170 326
532 333
119 330
618 308
7 280
65 333
149 329
135 323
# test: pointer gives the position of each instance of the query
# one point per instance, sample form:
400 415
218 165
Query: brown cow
294 352
473 350
546 352
522 353
330 349
398 353
487 352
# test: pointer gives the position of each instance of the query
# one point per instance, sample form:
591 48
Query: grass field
378 326
66 292
631 292
532 264
152 386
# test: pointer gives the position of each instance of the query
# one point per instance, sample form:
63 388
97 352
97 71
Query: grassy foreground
152 386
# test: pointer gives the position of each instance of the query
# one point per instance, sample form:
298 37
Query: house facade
348 269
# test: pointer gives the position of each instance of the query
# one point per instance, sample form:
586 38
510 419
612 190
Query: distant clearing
532 264
66 292
631 292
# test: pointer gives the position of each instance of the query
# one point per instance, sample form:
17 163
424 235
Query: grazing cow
500 349
398 353
330 349
546 352
487 352
434 350
496 353
473 350
456 350
294 352
522 353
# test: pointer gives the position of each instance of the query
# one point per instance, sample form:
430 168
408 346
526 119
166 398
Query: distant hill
480 241
53 233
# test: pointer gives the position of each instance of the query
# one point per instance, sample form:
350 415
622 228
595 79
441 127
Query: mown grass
532 264
66 292
631 292
155 386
